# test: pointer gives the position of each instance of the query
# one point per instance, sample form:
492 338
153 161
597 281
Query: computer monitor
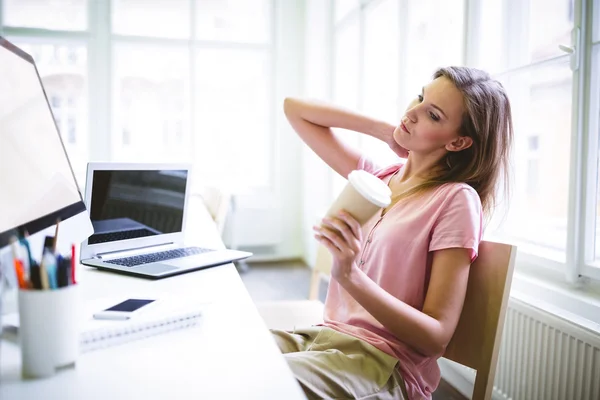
37 184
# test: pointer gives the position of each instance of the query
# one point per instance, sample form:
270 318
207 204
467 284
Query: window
233 114
346 64
592 267
380 73
65 82
533 170
157 18
596 27
398 44
234 21
344 7
151 100
72 130
176 101
434 39
66 15
346 78
527 60
151 94
517 33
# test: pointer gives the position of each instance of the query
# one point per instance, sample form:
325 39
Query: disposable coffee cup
362 197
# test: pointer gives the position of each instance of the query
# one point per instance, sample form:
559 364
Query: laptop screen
133 204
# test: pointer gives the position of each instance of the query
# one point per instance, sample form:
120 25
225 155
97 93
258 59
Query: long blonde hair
488 122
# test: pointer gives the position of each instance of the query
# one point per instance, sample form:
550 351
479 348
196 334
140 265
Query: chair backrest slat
477 338
321 269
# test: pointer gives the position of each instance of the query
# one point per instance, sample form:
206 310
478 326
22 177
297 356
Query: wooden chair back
476 341
218 204
321 270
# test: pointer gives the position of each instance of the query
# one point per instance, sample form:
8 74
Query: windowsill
547 290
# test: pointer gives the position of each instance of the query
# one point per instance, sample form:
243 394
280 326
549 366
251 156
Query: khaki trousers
332 365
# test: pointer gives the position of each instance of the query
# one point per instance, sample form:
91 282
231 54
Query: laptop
138 212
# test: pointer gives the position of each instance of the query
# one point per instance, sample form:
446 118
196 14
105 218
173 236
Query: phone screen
130 305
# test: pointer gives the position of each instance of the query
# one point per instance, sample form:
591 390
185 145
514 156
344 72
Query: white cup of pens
48 300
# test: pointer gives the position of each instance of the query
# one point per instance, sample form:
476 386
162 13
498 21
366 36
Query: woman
398 283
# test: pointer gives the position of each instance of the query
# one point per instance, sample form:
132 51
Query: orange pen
20 274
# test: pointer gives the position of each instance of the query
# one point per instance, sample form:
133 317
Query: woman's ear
460 143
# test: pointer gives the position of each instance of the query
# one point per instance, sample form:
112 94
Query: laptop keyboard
134 261
113 236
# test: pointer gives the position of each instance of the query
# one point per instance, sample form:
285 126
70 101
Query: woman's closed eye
433 116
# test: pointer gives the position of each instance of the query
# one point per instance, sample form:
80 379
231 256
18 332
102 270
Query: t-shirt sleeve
365 163
460 224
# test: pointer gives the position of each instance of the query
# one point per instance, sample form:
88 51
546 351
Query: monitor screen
37 185
129 204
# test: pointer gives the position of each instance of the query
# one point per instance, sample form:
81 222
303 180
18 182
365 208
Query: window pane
344 7
596 20
233 117
595 125
491 45
516 32
151 104
541 106
380 83
67 15
158 18
63 69
346 67
234 20
435 39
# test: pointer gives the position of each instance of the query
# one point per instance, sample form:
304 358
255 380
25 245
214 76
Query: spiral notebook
97 334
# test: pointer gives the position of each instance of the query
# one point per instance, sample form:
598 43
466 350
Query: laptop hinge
137 250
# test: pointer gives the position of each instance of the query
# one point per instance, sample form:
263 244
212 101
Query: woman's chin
399 138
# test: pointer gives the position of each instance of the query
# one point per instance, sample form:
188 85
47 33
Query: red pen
73 264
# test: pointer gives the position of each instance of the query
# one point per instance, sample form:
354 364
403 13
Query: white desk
229 355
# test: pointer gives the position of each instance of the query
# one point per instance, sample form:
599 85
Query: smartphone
123 310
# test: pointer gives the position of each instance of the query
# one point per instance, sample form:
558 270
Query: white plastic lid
371 187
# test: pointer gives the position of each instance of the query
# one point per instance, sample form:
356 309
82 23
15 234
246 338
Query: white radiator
542 357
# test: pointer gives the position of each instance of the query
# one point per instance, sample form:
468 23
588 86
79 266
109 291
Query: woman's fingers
335 238
352 224
342 228
327 243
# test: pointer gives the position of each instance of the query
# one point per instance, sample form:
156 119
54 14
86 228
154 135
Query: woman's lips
404 127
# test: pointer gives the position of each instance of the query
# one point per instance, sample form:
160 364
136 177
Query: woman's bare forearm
313 122
329 116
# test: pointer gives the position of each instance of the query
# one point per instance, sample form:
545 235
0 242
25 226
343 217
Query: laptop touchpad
155 268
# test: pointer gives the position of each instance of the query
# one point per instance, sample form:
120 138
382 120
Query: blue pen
27 260
50 265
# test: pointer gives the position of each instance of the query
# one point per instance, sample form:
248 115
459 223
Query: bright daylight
300 199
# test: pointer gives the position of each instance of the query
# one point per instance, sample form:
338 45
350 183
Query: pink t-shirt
397 255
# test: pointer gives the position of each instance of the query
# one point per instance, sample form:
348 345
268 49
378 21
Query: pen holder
49 330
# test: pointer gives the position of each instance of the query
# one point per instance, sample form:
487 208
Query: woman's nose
411 113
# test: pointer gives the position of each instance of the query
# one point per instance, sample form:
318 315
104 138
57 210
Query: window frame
577 265
576 269
101 43
591 122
